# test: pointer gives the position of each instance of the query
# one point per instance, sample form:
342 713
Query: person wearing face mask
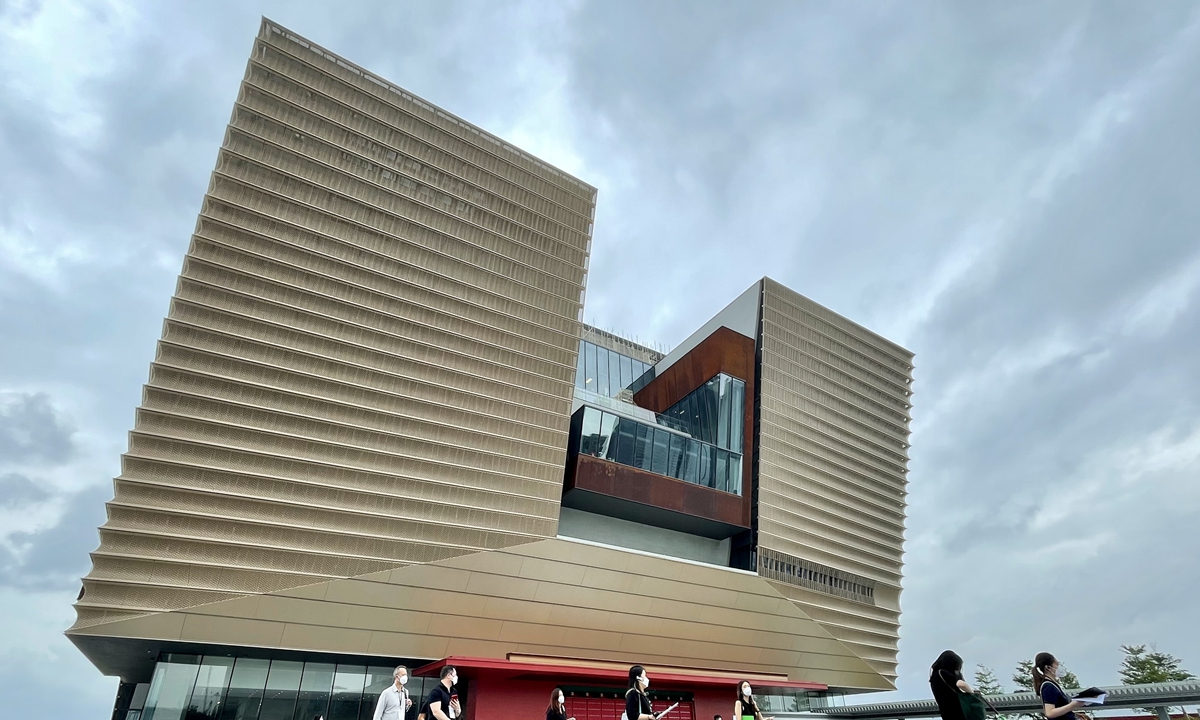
744 708
558 707
1056 704
394 702
637 702
443 698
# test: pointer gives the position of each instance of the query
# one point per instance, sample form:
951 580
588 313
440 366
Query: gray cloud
1006 190
18 491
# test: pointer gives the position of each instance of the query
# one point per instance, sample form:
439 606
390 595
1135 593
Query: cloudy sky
1011 191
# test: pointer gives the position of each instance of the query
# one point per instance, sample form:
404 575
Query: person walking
1056 704
443 698
393 703
744 707
637 702
558 706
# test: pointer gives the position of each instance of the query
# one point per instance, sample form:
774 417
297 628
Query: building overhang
535 667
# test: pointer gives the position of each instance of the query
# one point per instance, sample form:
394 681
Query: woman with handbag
744 708
956 700
1056 704
637 702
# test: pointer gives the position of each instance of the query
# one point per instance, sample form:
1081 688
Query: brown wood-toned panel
595 475
724 351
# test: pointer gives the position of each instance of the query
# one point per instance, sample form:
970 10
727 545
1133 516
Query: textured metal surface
553 598
368 361
833 424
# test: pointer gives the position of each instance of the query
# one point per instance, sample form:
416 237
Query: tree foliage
1142 666
986 681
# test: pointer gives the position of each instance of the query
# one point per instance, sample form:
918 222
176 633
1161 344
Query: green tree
1142 666
986 682
1023 677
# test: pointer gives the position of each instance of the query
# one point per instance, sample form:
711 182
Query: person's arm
1052 712
737 709
379 705
962 685
435 709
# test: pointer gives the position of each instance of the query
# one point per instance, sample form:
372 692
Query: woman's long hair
949 661
554 700
635 672
747 700
1040 663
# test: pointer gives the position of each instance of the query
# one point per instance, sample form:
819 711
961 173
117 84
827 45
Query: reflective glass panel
602 371
283 682
626 441
705 477
735 474
675 456
209 691
691 455
614 373
245 689
171 687
737 427
726 398
315 685
722 476
347 692
579 366
608 428
377 679
626 371
662 445
644 449
589 368
589 436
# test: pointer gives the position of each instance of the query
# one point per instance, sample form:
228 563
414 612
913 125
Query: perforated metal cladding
833 438
369 358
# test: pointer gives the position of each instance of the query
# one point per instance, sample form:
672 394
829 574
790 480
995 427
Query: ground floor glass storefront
215 687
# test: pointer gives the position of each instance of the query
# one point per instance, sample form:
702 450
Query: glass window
614 373
726 396
735 474
675 456
579 366
211 681
347 692
737 427
589 436
626 441
705 476
171 687
589 370
644 448
722 476
283 682
691 453
376 680
245 689
662 444
314 691
602 371
608 427
626 371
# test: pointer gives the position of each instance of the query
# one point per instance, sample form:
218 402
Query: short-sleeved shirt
439 693
1052 694
636 704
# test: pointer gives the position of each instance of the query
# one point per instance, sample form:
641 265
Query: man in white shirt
394 701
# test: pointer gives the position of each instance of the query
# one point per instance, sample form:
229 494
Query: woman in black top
558 707
637 703
946 681
745 707
1056 704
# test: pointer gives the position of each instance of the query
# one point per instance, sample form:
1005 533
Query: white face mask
403 679
645 682
746 691
561 699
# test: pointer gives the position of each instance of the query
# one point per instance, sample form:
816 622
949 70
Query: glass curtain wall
608 372
657 450
212 687
713 413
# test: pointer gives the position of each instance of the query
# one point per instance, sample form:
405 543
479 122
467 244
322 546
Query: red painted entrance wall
493 698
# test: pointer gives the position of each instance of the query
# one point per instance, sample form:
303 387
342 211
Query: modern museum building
376 432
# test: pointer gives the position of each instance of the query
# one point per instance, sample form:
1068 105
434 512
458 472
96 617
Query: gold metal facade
369 358
834 425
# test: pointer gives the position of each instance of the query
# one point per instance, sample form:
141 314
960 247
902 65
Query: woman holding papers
1056 704
637 702
744 708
